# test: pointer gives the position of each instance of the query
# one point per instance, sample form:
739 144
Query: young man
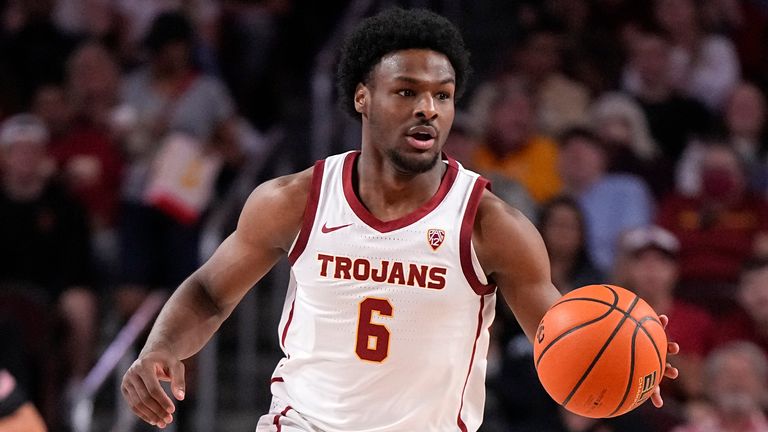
395 257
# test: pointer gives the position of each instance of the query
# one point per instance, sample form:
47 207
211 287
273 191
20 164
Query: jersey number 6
372 339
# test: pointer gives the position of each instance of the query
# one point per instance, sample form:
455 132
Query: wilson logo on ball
646 385
435 238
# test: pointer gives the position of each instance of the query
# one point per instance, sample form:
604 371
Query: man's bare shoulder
276 207
503 233
492 211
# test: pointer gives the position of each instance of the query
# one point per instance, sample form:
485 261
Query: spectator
737 375
17 413
744 129
612 203
560 101
167 96
745 115
672 117
89 161
648 265
512 145
462 143
44 238
719 229
620 122
36 51
51 104
705 66
564 231
750 321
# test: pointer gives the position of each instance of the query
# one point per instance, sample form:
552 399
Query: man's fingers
673 348
671 372
178 382
154 397
664 320
137 406
656 399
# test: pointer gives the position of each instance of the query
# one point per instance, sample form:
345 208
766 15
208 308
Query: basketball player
396 253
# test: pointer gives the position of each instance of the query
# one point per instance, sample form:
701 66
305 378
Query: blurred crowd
632 133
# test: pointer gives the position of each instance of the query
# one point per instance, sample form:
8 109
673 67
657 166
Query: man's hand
670 371
141 386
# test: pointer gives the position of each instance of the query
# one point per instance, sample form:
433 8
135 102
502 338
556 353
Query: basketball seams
648 335
631 371
638 328
612 307
600 353
618 309
590 391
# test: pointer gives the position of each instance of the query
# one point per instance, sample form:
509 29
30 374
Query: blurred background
633 133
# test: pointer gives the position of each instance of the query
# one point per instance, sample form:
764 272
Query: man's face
650 57
753 294
652 273
512 120
22 161
408 107
745 110
736 387
581 161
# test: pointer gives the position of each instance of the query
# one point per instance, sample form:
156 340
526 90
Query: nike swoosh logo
326 229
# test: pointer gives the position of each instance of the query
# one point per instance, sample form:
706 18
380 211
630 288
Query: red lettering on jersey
343 265
397 275
361 269
383 273
417 275
437 278
391 272
325 259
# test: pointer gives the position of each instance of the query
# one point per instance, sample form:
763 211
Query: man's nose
426 108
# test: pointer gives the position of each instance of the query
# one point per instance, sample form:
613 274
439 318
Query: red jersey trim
387 226
288 324
465 238
282 414
309 212
459 421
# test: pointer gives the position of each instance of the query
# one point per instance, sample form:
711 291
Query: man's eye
406 92
443 96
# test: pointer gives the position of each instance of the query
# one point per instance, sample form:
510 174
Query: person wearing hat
648 265
44 248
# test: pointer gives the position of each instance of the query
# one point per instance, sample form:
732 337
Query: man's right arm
268 224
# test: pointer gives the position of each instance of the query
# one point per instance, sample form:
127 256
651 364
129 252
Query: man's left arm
512 253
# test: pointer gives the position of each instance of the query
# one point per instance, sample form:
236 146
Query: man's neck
389 194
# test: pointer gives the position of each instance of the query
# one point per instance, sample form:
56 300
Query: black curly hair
393 30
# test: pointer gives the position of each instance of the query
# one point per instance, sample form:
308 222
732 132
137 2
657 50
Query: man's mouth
421 137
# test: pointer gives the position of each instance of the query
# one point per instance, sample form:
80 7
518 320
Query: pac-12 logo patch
435 238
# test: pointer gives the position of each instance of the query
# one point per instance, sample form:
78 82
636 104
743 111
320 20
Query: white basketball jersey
385 325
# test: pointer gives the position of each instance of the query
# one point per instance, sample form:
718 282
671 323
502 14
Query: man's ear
362 95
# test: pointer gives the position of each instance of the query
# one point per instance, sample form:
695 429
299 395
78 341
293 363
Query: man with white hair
44 241
737 378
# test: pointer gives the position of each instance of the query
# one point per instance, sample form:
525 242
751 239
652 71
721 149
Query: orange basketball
600 351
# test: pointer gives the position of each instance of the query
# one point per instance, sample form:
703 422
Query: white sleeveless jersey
385 325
